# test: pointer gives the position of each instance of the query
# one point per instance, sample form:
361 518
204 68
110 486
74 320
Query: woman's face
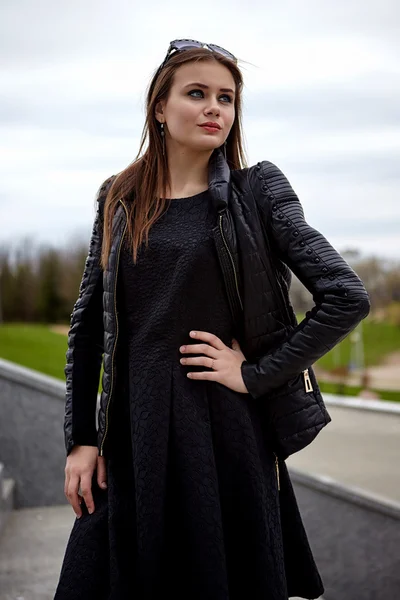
189 105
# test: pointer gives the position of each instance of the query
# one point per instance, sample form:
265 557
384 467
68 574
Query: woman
179 492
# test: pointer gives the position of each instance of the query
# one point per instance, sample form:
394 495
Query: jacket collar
219 180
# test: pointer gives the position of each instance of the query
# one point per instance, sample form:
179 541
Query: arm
85 344
341 300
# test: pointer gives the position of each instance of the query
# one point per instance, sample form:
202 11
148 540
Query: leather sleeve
341 300
85 343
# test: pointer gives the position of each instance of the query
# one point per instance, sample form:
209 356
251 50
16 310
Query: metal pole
1 309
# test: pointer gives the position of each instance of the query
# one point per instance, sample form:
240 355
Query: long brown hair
139 183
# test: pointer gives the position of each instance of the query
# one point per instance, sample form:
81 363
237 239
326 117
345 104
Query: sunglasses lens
179 45
222 51
184 44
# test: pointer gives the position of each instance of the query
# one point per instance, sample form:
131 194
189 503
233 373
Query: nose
213 108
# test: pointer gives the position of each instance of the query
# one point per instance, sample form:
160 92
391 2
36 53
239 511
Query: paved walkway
360 448
31 552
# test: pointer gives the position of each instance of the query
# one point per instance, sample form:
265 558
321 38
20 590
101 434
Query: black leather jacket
276 347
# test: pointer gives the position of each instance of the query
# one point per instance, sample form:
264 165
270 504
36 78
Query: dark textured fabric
192 508
340 297
341 300
86 343
275 354
85 347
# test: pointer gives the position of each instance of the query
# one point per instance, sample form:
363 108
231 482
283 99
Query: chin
206 145
212 145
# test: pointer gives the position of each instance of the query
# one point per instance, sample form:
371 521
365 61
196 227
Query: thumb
235 344
101 472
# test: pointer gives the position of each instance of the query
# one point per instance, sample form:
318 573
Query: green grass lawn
36 347
379 339
332 388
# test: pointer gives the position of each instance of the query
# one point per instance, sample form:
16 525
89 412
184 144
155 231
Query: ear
159 111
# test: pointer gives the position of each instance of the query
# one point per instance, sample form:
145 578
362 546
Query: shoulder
267 179
102 192
104 189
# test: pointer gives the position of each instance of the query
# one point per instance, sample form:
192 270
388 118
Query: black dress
192 506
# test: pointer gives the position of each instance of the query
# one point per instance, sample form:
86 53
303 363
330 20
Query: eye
201 92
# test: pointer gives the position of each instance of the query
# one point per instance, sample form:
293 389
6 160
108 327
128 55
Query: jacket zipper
233 264
307 381
116 335
277 471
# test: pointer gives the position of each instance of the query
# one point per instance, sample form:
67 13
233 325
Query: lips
211 125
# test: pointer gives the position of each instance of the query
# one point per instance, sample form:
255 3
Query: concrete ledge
31 434
355 402
7 488
354 535
353 494
31 379
8 494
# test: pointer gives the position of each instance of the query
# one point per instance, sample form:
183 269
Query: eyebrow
206 87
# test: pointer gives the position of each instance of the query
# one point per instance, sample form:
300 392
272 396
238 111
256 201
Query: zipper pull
277 472
307 381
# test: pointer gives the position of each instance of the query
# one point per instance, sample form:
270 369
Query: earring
163 138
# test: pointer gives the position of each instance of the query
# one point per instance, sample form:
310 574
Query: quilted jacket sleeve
85 344
341 300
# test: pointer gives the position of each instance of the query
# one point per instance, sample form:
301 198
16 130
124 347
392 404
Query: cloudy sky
321 100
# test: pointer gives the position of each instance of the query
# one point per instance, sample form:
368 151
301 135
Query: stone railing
31 434
355 536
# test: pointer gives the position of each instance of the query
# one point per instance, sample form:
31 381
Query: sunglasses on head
181 45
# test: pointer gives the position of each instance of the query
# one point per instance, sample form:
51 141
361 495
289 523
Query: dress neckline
189 197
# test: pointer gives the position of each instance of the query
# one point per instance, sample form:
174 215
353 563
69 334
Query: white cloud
321 100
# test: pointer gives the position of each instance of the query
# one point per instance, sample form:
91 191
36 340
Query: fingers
235 344
211 352
86 490
101 472
199 360
66 484
210 338
79 470
71 489
208 375
200 349
72 494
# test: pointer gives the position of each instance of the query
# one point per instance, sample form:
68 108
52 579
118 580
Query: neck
188 172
